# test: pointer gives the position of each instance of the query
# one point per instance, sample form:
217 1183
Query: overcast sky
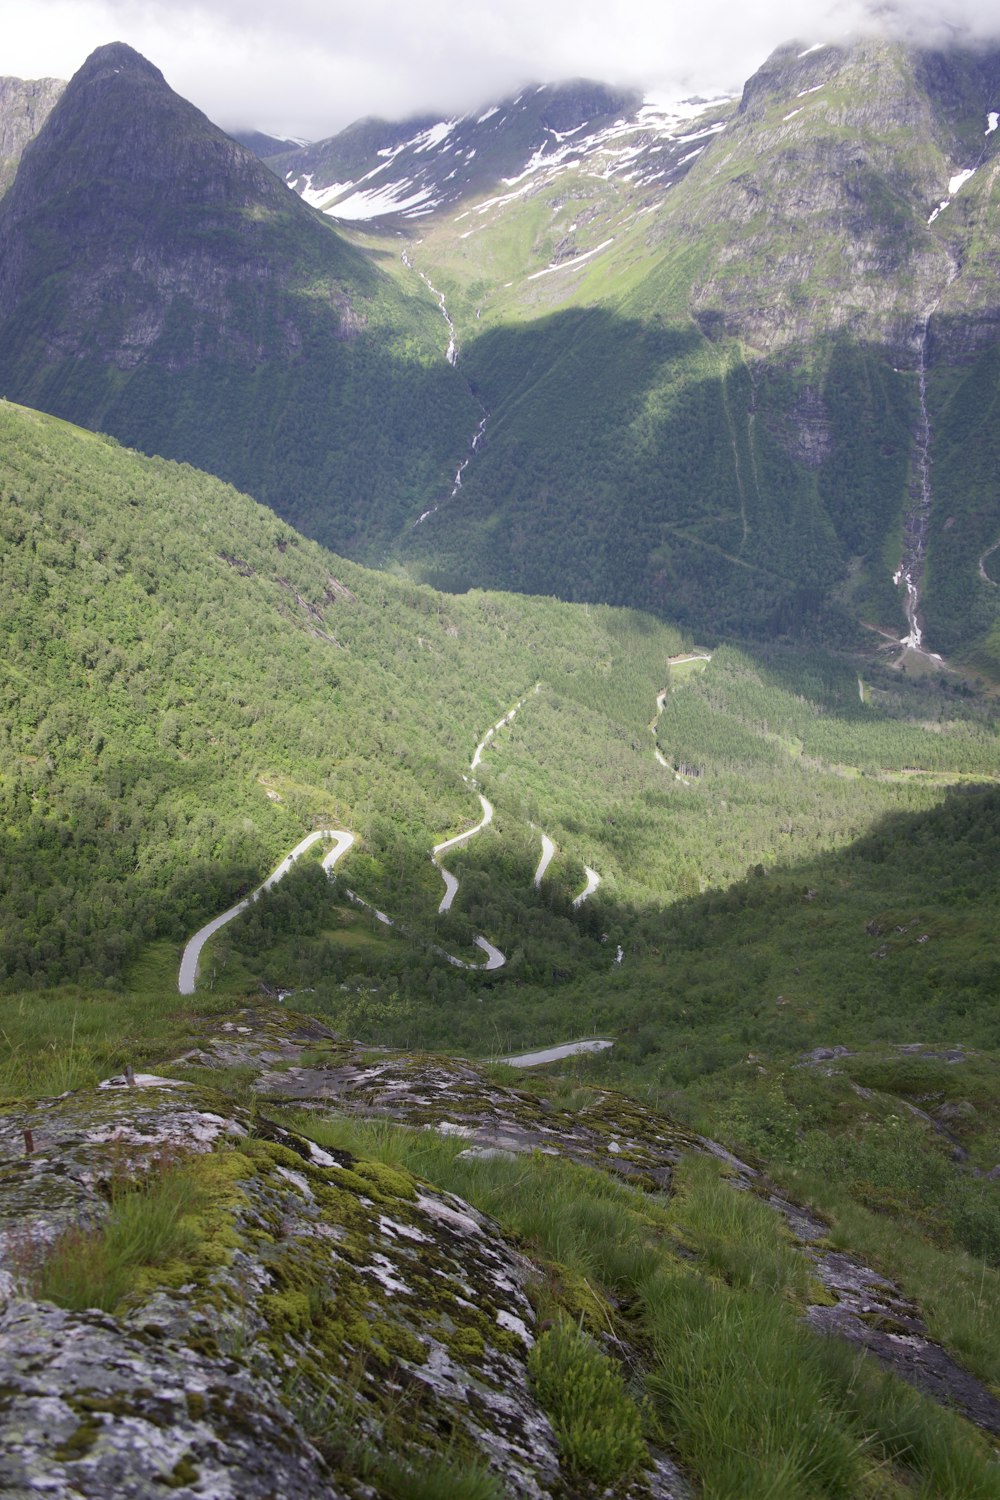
308 67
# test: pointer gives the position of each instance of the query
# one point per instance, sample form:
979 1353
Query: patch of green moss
563 1291
466 1344
400 1341
390 1181
196 1404
184 1472
79 1442
287 1313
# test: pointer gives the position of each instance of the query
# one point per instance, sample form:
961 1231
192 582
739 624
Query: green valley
562 674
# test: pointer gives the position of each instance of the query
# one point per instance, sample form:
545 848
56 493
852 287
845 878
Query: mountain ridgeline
696 344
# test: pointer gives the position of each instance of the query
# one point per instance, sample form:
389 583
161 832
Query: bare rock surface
328 1302
299 1060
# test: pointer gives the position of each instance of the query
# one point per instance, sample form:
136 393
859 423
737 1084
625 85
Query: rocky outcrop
317 1320
822 187
296 1060
25 105
329 1316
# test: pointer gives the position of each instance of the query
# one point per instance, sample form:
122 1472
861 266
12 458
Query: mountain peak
141 205
116 57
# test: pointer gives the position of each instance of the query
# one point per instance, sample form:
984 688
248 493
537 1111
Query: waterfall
916 524
451 355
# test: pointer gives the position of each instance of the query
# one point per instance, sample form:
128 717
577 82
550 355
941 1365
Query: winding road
556 1054
548 850
982 565
188 974
661 698
343 840
593 881
450 883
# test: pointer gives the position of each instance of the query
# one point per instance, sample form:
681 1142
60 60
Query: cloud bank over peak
309 67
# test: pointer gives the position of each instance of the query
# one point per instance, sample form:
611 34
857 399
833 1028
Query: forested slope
191 686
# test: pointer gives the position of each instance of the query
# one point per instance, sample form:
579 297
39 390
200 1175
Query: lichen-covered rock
93 1406
332 1308
300 1061
297 1060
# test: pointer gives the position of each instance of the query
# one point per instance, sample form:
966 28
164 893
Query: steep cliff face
158 283
24 107
812 209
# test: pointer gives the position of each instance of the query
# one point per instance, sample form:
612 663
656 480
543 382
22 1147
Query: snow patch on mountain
430 138
373 203
954 183
432 168
565 265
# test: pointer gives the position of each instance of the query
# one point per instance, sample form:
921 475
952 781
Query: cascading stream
917 522
451 355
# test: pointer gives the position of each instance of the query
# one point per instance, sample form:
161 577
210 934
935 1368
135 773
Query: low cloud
308 67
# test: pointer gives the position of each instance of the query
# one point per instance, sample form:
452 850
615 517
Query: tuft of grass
735 1234
737 1387
442 1478
598 1424
148 1225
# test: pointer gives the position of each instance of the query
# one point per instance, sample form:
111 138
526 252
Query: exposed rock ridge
610 1133
824 183
328 1302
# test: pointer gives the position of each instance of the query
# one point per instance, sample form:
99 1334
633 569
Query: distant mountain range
731 360
417 167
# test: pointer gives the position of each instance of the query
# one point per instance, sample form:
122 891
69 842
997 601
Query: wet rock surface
871 1311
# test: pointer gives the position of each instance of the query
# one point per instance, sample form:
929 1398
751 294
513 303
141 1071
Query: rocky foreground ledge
211 1382
320 1311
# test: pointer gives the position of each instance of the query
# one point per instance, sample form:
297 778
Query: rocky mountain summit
161 229
403 171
